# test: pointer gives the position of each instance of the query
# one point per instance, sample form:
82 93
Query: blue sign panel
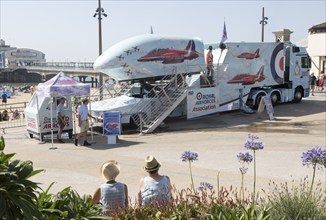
111 123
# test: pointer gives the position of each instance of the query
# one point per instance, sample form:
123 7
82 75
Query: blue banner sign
111 123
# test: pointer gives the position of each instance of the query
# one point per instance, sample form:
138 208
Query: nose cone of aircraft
122 52
101 63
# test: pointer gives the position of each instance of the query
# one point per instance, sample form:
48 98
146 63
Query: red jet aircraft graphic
248 79
170 55
128 52
124 65
129 72
249 56
136 48
120 57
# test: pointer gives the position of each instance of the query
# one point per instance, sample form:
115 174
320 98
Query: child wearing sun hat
112 195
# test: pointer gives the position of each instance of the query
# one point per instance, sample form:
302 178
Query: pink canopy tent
61 85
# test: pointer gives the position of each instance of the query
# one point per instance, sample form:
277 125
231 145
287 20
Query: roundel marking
199 96
277 63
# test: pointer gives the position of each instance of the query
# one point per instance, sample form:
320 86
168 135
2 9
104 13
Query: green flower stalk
244 158
190 157
254 145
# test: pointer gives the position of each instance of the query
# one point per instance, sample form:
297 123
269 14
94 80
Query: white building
317 48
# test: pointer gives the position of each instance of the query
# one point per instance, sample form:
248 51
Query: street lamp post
263 22
99 12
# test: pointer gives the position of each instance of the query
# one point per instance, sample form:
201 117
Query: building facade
12 63
317 48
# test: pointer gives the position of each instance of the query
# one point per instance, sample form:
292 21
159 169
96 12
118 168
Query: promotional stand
112 126
39 111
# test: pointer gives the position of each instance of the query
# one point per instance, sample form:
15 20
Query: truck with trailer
167 77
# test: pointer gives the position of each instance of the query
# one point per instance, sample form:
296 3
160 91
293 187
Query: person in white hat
155 188
112 195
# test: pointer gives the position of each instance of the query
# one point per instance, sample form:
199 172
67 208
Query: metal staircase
166 96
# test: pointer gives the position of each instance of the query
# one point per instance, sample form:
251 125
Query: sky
67 31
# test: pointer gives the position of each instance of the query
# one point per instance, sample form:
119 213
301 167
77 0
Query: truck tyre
31 135
298 94
275 98
70 135
257 101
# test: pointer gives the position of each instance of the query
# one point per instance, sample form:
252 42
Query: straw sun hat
110 170
151 164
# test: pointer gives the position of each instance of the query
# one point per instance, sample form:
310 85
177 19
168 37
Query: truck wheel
30 135
70 135
297 95
275 98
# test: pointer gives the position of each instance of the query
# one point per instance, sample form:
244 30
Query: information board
269 106
111 123
266 101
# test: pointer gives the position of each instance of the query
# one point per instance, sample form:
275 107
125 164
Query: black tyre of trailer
298 94
275 98
70 135
30 135
257 100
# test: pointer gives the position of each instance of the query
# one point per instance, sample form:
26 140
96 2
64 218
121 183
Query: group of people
83 124
6 115
154 189
319 82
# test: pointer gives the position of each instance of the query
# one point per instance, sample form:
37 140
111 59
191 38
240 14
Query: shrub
67 204
285 200
17 192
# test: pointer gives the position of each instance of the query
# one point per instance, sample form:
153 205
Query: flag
225 34
152 32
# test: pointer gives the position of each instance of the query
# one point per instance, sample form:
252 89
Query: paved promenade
217 140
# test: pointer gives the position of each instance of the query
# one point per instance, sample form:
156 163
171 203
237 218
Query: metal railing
165 97
109 91
12 115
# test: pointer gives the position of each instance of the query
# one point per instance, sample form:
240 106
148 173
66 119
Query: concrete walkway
217 139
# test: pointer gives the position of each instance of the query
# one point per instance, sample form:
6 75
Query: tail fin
257 53
191 46
260 74
260 71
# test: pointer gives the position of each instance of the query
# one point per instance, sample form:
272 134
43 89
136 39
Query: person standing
312 83
209 61
112 195
154 188
61 118
321 81
4 98
83 122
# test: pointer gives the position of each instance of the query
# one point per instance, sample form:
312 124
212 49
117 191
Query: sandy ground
217 140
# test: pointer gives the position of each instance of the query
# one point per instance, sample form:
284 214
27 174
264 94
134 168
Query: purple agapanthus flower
245 157
204 186
189 156
252 144
314 157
